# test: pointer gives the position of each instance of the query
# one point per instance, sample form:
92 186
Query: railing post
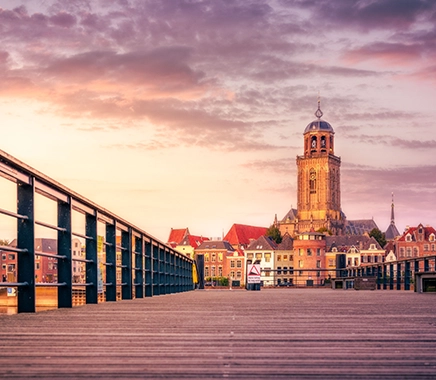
139 266
426 265
391 276
148 269
407 275
156 269
398 276
385 275
111 263
126 264
65 272
91 255
26 240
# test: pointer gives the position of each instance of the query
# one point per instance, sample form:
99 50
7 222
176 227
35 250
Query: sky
190 113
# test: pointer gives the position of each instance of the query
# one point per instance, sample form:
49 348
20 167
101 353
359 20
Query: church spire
392 210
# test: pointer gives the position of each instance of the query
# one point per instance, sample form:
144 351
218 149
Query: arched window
313 143
312 181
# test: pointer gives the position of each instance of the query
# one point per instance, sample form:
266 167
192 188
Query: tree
274 233
325 231
379 236
4 242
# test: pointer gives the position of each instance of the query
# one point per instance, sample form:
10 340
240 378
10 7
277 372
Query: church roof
359 227
291 215
392 232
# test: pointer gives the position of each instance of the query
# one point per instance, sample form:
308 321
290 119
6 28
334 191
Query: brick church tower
319 185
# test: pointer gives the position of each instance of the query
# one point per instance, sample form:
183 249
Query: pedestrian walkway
268 334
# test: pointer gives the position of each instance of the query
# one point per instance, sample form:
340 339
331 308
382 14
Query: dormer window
408 237
334 249
372 246
431 237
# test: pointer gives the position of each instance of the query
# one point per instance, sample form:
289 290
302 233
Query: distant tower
319 192
392 232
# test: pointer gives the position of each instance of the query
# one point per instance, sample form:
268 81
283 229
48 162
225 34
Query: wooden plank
284 333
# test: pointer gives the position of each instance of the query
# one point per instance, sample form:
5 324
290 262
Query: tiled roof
243 234
344 242
216 244
262 243
176 236
287 243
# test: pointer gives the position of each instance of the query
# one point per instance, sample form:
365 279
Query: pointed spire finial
318 112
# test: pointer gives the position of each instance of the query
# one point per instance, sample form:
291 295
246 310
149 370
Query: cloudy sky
190 113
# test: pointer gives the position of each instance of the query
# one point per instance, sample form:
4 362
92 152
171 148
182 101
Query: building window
279 270
318 251
408 237
318 263
279 257
238 274
220 271
11 256
356 261
206 271
433 247
258 256
206 257
285 270
213 257
37 266
301 251
232 264
212 271
3 256
362 258
232 274
402 252
309 252
239 264
431 237
267 257
220 257
250 256
426 246
300 263
408 252
415 251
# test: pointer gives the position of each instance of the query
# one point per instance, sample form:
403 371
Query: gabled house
177 236
262 251
416 242
284 262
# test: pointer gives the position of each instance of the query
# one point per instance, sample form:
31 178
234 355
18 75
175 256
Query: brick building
416 242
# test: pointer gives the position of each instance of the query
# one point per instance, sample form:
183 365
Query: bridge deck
300 333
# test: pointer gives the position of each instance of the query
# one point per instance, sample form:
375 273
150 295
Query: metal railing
135 264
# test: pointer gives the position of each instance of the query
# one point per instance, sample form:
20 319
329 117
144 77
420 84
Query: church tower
319 192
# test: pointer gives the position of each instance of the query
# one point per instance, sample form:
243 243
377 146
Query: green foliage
274 233
379 236
218 281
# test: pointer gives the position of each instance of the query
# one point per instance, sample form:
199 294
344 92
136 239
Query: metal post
139 265
407 273
126 264
92 261
148 270
26 240
398 276
391 276
156 270
65 272
385 274
111 263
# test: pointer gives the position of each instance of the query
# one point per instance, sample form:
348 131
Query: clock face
312 176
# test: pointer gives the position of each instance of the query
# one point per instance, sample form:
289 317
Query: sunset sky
190 113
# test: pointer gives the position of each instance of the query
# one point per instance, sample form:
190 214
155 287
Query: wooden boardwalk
276 333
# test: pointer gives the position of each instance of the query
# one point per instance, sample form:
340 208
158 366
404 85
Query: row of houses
309 258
